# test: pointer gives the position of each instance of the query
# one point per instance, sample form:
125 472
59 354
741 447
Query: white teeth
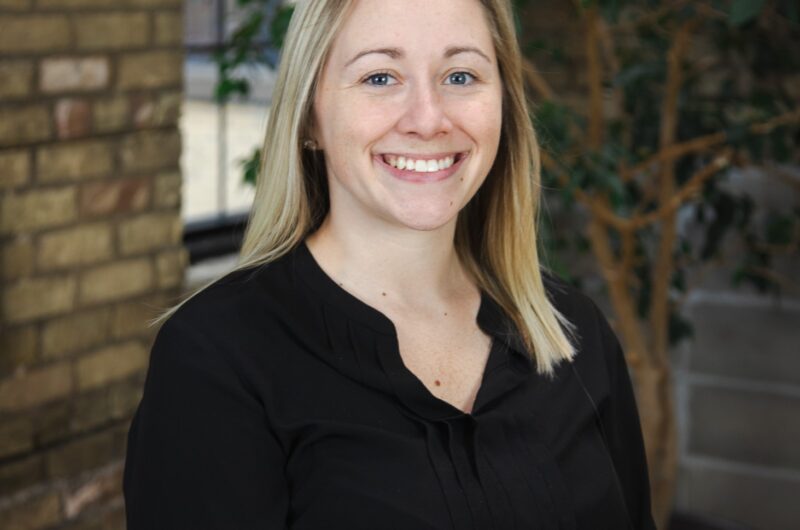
421 166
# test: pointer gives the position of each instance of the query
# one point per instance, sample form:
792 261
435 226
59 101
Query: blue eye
460 78
381 78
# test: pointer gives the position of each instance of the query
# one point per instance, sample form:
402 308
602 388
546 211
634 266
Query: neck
414 268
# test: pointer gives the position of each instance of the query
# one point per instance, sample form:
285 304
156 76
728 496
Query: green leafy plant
680 97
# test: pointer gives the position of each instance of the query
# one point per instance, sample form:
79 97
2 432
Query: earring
310 144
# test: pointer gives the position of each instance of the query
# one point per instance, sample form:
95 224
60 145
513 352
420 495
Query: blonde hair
496 232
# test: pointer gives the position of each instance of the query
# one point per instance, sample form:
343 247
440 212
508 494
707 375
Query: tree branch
628 322
536 80
595 134
704 143
692 186
664 266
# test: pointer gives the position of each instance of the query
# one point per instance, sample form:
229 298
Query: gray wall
738 391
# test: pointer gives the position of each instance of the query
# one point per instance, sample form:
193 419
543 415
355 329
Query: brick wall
90 232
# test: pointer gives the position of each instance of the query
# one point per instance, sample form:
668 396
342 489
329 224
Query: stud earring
310 144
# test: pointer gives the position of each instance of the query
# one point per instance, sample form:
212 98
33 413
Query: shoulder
237 303
571 302
594 338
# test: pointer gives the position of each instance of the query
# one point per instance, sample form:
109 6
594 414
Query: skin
387 241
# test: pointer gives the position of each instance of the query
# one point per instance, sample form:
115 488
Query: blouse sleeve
623 432
200 453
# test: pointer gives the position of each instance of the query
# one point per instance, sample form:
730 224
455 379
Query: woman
388 354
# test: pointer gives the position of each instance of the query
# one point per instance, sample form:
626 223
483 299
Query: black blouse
275 399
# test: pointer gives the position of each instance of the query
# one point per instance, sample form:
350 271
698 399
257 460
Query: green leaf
250 166
725 212
736 134
230 87
779 229
679 328
780 145
280 25
639 71
743 11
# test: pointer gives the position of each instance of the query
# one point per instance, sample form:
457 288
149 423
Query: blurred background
129 143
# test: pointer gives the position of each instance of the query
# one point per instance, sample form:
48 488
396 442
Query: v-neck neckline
505 350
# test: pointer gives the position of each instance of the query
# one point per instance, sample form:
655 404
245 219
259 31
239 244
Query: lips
423 177
423 163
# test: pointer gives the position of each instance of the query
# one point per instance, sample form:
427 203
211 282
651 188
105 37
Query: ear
313 134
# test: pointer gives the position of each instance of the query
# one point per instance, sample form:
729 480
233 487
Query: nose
425 114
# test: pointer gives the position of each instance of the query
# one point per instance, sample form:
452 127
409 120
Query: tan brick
170 267
111 31
30 299
115 196
39 512
149 231
15 168
38 209
155 3
18 259
168 108
152 69
18 474
90 410
16 5
16 435
98 491
111 114
169 28
167 192
35 387
19 346
123 398
84 454
74 333
16 78
159 110
75 246
33 33
23 124
54 422
74 160
142 109
73 118
71 4
67 74
116 281
148 150
111 364
132 318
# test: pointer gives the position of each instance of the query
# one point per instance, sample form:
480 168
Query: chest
522 462
448 360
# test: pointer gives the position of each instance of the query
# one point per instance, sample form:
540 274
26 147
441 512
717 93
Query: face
410 131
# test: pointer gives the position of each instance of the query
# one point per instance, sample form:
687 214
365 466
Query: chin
425 220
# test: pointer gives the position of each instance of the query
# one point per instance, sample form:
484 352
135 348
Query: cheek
359 122
482 120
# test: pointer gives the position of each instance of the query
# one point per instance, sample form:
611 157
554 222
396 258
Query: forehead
422 25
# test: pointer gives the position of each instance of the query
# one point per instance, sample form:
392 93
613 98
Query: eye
461 78
380 79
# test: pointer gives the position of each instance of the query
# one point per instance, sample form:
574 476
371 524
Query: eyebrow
396 53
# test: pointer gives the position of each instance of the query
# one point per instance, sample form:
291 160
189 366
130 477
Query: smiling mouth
422 164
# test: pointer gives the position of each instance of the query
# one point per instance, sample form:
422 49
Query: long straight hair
496 233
